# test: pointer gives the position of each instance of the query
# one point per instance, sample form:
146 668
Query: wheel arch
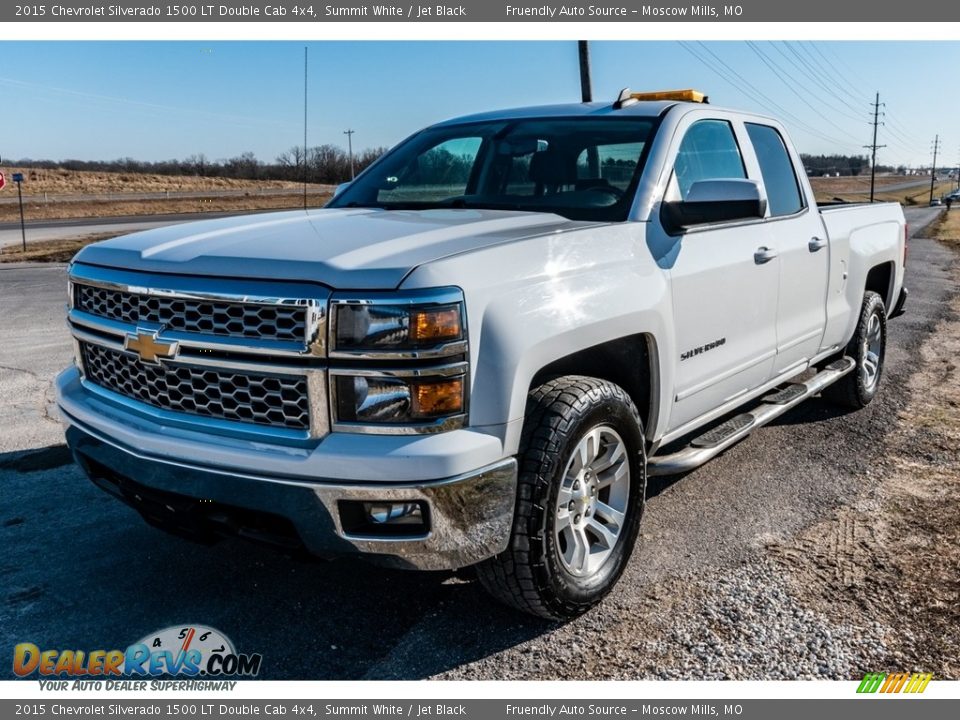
880 280
630 362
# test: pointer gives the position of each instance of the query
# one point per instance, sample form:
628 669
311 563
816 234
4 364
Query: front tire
580 498
857 389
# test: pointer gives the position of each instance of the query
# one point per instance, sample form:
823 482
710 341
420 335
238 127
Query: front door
724 283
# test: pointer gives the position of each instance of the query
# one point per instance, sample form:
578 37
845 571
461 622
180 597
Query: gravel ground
873 587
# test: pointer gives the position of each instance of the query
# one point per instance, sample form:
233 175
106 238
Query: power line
807 68
774 68
764 98
905 134
893 125
849 71
813 51
801 84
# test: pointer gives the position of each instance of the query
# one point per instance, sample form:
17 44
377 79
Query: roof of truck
650 108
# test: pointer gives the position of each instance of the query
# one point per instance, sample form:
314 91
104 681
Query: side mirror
716 201
340 188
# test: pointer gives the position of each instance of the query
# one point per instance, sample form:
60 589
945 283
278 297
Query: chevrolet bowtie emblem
150 350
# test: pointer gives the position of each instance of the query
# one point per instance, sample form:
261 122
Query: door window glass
783 190
709 151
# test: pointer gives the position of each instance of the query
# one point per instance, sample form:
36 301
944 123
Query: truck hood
343 249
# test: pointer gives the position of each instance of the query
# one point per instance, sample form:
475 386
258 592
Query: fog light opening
385 518
385 513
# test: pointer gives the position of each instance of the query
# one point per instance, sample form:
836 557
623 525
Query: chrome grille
274 400
212 317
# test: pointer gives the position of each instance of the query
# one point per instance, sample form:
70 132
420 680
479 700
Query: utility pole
873 159
586 87
349 134
586 95
18 179
304 127
933 170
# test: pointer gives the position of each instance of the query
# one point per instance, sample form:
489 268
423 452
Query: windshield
580 168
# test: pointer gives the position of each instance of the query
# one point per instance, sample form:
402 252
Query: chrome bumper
469 516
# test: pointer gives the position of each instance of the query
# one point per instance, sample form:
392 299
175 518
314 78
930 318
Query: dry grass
947 228
51 250
921 196
858 189
835 186
52 211
38 181
893 557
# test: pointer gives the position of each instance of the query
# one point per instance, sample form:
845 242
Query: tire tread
514 577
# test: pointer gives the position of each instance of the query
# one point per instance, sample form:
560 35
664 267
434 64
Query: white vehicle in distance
477 353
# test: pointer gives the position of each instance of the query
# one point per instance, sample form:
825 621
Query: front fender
536 301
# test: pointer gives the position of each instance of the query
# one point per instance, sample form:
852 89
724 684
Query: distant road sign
3 181
18 177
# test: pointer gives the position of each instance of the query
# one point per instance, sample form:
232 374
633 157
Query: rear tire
857 389
580 497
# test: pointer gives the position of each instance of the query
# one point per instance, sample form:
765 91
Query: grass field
858 184
918 196
44 190
96 208
947 228
37 181
51 250
857 189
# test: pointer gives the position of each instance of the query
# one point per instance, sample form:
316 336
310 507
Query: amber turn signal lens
435 325
439 398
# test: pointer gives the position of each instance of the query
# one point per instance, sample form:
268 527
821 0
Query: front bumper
469 515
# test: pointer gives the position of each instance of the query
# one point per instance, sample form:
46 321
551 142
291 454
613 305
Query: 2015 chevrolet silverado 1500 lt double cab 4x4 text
481 348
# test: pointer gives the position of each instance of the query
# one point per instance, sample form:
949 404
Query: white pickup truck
480 349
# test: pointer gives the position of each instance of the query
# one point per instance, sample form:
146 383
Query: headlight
414 324
390 400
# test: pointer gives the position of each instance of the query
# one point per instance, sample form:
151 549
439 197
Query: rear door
724 286
796 231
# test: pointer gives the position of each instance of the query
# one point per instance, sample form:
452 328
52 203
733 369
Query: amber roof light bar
627 97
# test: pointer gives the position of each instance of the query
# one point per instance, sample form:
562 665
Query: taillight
906 239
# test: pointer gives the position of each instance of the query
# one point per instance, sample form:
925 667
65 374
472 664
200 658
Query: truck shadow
84 571
812 411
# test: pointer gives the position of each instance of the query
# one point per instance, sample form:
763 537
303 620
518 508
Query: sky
166 99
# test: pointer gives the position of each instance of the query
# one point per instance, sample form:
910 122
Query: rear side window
783 190
709 151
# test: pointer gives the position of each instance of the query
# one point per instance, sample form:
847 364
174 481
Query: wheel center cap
583 495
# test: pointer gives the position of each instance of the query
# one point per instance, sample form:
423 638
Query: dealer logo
180 650
909 683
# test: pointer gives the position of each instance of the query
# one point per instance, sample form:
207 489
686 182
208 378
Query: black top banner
616 11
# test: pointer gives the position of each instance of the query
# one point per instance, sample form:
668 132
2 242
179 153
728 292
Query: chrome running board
713 442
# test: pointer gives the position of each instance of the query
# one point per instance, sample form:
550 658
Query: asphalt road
907 185
79 570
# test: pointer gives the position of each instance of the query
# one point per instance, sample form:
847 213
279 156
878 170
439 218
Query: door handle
816 244
764 255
